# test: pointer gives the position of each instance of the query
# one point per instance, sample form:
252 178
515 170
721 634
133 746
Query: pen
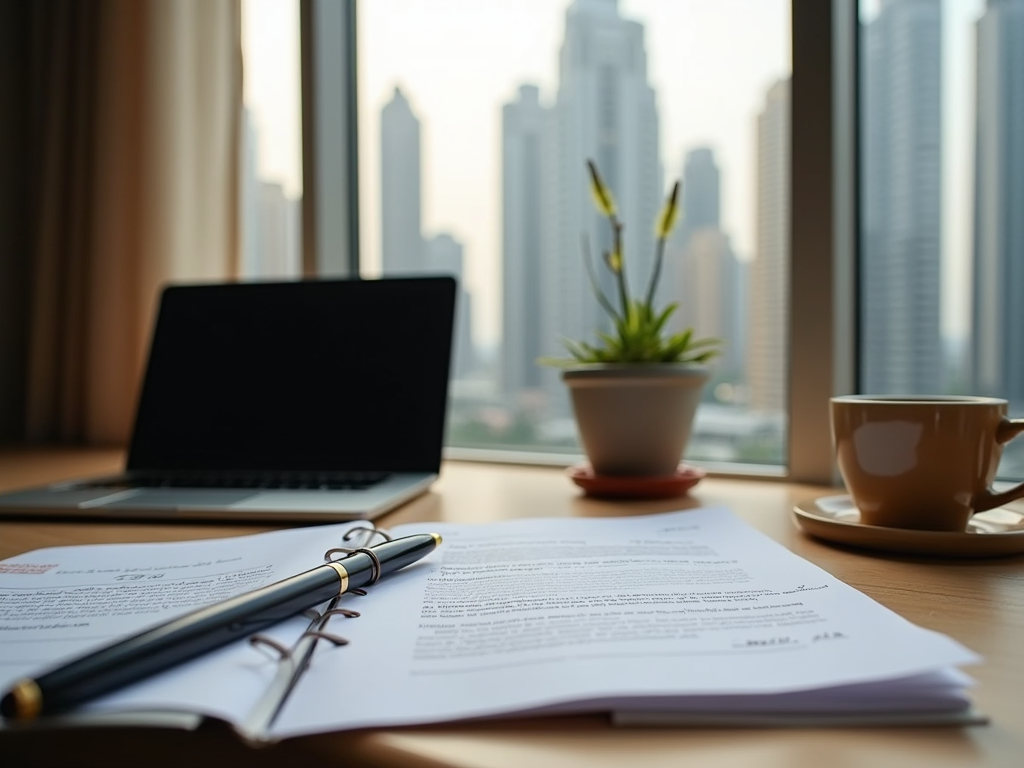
203 630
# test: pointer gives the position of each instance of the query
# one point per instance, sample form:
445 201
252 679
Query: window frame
823 210
330 139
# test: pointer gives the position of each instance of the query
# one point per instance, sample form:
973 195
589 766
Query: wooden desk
980 603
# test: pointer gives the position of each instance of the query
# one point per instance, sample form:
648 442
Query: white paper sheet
649 612
60 602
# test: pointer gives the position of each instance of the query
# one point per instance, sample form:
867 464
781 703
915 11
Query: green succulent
639 328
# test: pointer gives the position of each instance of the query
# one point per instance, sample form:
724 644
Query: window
475 121
270 189
817 358
942 239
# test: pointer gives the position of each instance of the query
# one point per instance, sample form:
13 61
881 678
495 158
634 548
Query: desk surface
978 602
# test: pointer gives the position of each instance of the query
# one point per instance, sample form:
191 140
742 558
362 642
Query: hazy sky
459 61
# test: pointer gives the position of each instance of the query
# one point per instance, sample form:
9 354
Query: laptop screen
328 375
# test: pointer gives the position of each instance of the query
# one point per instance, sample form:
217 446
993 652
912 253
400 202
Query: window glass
476 119
270 189
942 188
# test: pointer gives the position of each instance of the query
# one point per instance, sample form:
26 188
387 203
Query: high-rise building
443 255
605 111
280 232
404 250
701 193
997 331
901 204
701 270
401 235
271 233
711 292
767 347
524 126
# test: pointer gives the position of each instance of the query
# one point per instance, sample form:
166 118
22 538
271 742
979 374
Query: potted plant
636 388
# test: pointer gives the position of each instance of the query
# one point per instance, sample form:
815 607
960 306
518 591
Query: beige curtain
136 184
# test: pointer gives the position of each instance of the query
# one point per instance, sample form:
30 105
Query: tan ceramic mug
920 461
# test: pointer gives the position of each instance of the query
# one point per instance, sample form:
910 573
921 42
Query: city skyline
909 237
270 27
605 109
521 43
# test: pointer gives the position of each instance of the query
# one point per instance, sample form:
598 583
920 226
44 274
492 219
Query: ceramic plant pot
634 419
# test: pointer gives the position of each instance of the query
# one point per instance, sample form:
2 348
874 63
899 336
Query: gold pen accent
343 575
437 538
28 700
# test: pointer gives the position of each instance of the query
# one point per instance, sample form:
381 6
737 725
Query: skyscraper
605 110
767 348
443 254
401 237
701 201
997 331
702 272
524 123
901 345
711 297
271 233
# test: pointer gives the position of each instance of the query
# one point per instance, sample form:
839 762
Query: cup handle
1005 432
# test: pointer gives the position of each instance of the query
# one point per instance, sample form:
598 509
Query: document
691 616
58 603
664 612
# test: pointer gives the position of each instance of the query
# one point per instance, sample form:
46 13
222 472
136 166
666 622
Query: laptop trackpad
161 498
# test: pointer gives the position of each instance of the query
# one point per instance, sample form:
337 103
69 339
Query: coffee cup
922 462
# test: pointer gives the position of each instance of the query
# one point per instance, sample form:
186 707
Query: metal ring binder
283 651
370 533
293 661
319 620
375 570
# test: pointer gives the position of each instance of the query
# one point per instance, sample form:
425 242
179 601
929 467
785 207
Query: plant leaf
603 199
669 214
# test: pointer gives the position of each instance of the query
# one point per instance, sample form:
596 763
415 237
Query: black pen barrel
405 551
186 637
390 556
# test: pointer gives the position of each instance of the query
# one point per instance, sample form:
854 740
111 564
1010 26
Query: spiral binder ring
374 564
319 620
371 532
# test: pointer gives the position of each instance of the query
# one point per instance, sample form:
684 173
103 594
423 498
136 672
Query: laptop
313 401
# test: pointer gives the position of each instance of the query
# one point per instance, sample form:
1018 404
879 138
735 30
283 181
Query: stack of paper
687 617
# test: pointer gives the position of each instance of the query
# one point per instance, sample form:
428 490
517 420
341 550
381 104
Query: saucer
623 487
989 534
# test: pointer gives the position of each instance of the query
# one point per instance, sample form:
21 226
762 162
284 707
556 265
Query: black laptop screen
314 375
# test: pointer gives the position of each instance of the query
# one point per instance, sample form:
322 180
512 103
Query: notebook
309 400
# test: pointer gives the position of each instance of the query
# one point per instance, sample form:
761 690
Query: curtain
135 118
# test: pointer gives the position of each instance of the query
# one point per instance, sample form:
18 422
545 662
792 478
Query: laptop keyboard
326 481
